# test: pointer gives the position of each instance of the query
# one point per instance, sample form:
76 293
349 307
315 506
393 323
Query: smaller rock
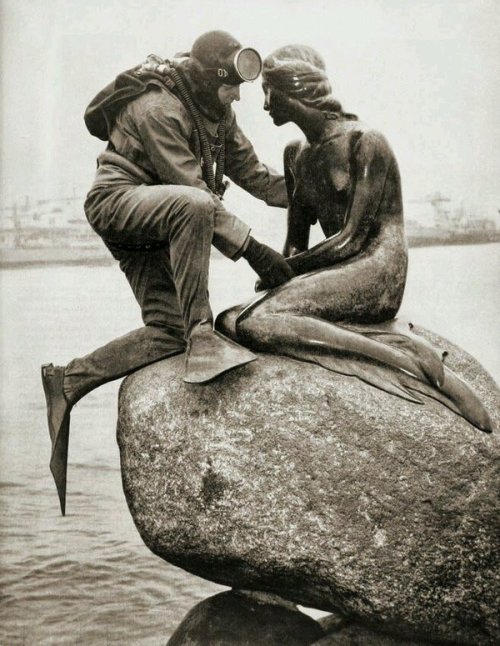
244 618
354 634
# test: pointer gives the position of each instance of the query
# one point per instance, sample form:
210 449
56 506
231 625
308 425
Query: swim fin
58 417
210 354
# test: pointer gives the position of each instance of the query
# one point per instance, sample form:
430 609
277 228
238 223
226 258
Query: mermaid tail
386 355
398 333
455 394
289 333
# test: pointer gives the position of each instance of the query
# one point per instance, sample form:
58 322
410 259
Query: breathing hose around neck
213 180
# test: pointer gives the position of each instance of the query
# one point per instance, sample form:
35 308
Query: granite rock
284 477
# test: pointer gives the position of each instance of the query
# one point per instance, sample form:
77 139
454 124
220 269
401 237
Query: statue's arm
298 224
372 158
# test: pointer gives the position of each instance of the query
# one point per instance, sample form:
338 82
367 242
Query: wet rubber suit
152 208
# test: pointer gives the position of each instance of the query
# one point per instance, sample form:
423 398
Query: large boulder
284 477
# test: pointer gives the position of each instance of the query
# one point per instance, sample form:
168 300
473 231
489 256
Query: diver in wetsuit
156 203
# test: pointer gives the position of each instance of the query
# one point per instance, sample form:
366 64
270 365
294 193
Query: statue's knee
225 323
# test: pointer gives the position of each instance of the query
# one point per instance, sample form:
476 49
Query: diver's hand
274 278
272 268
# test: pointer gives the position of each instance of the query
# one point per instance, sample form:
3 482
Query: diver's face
277 104
228 93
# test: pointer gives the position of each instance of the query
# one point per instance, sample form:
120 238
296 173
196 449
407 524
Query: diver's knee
195 207
198 203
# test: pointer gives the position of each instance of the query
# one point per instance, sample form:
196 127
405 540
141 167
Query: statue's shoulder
351 131
364 136
350 139
294 146
291 152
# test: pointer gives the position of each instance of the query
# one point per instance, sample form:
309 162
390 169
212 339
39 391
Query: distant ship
445 224
56 232
48 232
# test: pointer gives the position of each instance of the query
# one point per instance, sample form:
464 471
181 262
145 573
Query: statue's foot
58 417
209 354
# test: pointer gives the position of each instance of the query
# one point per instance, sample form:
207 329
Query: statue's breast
322 184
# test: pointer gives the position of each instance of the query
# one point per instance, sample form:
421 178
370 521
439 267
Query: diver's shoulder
158 99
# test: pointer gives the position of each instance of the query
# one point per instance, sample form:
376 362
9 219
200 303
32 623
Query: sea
88 578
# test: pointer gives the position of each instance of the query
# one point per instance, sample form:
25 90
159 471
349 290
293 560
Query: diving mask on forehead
244 65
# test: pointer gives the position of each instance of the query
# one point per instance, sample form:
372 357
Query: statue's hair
300 72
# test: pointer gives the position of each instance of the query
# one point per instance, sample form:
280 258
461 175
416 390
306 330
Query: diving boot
209 354
58 414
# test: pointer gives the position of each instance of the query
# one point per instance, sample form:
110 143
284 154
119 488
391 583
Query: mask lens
248 64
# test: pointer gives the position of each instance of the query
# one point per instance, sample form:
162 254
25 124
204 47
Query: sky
424 73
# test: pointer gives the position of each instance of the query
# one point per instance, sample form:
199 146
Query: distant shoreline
455 240
20 259
33 264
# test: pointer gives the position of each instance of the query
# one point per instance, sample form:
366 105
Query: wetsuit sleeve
244 168
372 159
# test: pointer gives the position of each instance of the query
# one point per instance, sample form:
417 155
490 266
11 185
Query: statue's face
277 104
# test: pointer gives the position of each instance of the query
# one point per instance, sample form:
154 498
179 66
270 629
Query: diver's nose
236 93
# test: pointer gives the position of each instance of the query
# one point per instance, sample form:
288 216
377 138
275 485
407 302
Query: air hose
213 180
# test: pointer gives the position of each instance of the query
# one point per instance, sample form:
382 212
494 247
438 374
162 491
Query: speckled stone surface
287 478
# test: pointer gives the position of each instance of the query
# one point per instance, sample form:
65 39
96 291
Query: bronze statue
338 311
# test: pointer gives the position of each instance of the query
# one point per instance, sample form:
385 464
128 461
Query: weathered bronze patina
339 309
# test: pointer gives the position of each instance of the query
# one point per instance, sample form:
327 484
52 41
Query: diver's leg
185 219
131 217
170 284
163 336
150 277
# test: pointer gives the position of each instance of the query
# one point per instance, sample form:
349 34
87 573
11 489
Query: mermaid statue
339 310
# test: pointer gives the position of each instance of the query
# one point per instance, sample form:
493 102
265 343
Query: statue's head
296 73
217 65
